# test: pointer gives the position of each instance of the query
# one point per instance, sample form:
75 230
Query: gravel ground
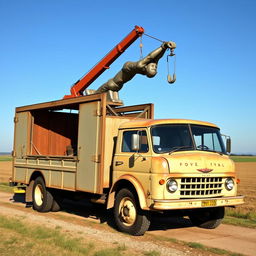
99 235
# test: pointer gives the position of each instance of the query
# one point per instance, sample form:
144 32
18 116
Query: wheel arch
36 174
130 182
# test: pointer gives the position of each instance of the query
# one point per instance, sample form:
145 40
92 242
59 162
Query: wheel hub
39 195
127 212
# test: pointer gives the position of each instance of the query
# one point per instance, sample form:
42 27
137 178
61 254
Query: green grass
152 253
243 158
21 239
240 218
197 246
4 158
239 222
118 251
34 236
212 249
241 215
5 187
52 237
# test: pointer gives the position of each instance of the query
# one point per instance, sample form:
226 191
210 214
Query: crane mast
78 88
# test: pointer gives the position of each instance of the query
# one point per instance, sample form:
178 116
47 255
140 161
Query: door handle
119 163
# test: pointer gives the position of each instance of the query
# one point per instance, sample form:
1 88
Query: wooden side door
22 134
87 178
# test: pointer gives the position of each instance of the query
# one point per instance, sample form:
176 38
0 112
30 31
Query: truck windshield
172 137
168 138
207 138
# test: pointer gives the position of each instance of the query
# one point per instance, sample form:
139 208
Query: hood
200 162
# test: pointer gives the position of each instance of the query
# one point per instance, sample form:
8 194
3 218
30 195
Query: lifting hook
171 78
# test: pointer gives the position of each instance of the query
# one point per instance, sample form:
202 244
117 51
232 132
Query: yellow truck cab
174 164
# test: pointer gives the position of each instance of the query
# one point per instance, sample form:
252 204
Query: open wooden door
89 142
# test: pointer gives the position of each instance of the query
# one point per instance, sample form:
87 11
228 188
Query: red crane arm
78 88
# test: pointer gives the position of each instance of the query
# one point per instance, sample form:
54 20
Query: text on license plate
209 203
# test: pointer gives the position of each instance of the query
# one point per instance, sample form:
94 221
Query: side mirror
228 145
135 142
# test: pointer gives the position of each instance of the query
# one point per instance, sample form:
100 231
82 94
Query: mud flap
28 198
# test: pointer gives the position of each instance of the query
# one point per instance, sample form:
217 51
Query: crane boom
78 88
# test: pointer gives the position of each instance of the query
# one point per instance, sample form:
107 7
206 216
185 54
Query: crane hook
171 78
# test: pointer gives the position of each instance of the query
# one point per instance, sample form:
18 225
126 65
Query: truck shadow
98 212
160 222
92 211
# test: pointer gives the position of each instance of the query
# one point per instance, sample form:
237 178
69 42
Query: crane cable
141 46
154 38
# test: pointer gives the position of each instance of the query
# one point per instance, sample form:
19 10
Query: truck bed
71 141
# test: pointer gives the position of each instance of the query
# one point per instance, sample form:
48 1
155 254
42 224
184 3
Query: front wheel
42 198
129 218
208 218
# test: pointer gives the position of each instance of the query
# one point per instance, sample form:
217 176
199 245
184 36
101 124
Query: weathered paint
152 122
195 203
138 187
112 125
41 141
22 134
88 147
178 165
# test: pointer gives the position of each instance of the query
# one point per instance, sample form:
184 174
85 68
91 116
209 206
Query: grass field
4 158
243 158
245 215
20 238
4 186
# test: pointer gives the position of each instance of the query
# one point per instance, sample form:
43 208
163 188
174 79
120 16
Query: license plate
209 203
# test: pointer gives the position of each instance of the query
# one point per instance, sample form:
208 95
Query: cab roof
151 122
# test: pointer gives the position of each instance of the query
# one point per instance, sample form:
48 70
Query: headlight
229 184
172 185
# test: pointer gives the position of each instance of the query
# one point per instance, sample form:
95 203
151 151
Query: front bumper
196 203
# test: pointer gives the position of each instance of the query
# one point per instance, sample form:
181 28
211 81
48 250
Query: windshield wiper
205 148
214 151
179 148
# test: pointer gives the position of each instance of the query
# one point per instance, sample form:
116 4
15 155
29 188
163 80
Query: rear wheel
129 218
42 198
208 218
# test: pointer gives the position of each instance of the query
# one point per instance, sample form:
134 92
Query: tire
42 198
208 218
57 201
128 216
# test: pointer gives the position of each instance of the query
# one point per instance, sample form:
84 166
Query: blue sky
46 46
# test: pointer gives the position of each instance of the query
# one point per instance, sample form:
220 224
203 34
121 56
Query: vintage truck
120 156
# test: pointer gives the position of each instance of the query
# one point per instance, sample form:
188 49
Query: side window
127 141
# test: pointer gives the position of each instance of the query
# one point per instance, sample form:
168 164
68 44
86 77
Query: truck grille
200 187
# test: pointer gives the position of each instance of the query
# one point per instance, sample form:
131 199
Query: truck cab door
133 163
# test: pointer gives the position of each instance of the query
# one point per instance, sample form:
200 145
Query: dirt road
76 223
5 171
232 238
